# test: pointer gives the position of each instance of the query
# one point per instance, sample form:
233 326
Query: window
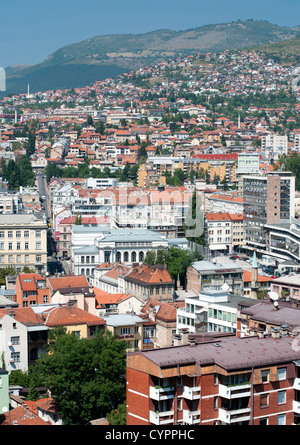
18 234
10 246
15 340
38 258
281 398
264 400
38 245
281 419
15 357
265 376
10 234
26 246
2 246
2 234
125 331
263 421
281 373
26 234
18 246
38 234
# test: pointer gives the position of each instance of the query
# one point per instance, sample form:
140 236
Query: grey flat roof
207 266
122 319
231 353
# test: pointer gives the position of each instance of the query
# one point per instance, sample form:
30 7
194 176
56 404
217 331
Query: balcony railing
191 417
234 415
296 406
161 417
296 384
160 393
234 392
191 393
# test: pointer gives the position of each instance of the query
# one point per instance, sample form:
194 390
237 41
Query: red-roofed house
31 288
150 282
73 319
118 303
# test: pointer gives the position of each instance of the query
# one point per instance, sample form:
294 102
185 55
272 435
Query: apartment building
218 381
265 317
268 200
206 275
209 311
31 289
23 242
219 229
127 327
278 144
23 337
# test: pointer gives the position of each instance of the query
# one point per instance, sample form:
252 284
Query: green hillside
106 56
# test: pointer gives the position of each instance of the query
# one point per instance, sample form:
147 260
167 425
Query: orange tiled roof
150 274
67 281
70 315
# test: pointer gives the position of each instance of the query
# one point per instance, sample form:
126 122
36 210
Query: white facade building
92 245
210 311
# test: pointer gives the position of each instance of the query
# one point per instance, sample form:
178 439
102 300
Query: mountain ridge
109 55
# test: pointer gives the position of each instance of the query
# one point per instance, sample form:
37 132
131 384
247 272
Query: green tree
118 415
86 377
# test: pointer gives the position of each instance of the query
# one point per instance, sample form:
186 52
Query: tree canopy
86 377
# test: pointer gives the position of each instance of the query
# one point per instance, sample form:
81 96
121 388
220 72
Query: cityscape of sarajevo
150 247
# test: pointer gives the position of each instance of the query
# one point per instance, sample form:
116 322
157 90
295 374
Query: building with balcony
127 327
218 381
269 201
209 311
208 275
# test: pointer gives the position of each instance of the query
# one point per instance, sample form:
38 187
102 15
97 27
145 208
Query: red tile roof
150 275
70 315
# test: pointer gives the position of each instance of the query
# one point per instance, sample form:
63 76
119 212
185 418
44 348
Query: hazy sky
31 30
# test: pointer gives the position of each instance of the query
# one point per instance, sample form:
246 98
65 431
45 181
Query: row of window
38 245
19 233
19 258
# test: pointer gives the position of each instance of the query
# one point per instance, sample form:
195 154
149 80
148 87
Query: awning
218 247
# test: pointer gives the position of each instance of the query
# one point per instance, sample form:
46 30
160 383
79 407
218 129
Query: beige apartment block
23 242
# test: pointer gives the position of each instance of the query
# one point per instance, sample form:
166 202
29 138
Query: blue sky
31 30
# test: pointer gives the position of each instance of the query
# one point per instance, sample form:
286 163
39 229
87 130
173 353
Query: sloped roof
67 281
150 275
66 315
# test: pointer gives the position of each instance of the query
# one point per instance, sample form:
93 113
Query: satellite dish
273 296
225 287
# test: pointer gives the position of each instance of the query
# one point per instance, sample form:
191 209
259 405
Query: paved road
42 188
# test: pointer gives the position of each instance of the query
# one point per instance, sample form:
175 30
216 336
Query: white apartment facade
23 242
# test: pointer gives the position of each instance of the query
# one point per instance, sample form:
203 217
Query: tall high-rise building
267 199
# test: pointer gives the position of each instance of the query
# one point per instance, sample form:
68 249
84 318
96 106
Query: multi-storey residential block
206 275
31 289
210 311
275 143
127 327
268 200
23 242
218 381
